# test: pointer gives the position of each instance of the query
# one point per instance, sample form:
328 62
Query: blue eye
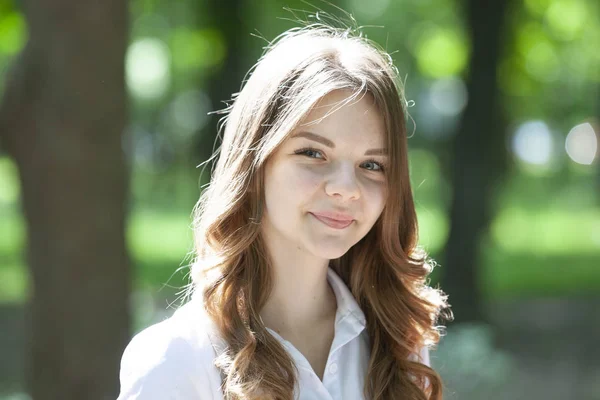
309 152
373 165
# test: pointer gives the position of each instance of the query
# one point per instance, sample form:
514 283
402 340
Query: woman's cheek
308 177
376 192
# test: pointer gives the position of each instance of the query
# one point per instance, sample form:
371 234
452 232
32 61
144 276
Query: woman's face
325 186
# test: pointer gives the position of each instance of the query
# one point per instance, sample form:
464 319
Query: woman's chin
330 252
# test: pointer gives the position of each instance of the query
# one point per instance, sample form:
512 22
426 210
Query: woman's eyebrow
315 137
326 142
376 152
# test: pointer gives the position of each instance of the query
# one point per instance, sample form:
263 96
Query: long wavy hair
386 271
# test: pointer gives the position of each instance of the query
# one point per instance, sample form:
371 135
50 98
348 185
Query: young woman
308 282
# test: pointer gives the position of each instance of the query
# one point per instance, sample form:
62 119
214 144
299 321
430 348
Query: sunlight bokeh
148 68
582 144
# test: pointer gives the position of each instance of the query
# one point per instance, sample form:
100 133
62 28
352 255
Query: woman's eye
312 153
373 166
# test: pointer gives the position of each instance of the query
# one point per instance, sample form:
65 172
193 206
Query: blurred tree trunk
478 161
226 18
62 118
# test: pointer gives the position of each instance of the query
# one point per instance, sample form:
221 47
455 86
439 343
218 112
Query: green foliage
197 49
568 19
13 33
14 280
441 52
9 195
538 52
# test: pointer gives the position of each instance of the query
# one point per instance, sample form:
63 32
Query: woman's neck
301 297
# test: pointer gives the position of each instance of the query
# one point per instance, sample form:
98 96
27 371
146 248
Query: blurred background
104 120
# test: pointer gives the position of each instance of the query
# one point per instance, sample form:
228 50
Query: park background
104 120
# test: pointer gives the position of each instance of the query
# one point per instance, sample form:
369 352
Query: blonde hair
385 271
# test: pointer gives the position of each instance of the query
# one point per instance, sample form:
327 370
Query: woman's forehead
342 112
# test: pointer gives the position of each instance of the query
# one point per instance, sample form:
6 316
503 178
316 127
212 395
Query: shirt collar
347 306
350 320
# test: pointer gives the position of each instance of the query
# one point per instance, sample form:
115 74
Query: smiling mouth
333 223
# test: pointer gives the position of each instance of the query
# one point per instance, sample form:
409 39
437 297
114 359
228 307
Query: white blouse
173 360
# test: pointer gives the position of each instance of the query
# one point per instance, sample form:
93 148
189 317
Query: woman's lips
335 223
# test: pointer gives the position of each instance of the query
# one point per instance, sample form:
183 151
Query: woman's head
315 80
304 143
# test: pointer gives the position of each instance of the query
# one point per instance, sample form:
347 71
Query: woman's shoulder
185 336
172 359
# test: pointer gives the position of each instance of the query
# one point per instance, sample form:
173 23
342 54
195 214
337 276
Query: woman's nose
342 182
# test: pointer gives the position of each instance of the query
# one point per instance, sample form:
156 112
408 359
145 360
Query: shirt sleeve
424 353
422 356
156 366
